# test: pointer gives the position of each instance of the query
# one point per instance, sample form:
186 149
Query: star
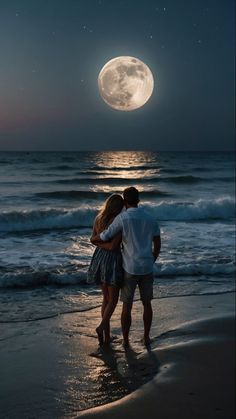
85 28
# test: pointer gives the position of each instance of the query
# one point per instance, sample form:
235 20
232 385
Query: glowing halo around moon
125 83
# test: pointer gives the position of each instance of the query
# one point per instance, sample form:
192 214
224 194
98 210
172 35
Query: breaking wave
38 278
49 219
202 209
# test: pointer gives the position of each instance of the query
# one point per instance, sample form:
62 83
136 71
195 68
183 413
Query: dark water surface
48 201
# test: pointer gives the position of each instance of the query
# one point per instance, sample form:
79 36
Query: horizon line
116 150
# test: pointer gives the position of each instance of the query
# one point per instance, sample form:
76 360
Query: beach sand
195 380
53 368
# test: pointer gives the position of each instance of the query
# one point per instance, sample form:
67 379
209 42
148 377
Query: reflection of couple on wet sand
127 243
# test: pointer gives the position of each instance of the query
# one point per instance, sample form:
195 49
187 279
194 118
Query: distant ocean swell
40 277
216 209
149 179
108 180
97 169
90 194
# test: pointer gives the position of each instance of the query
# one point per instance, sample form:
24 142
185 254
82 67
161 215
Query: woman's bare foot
99 332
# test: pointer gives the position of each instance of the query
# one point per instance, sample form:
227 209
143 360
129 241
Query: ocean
48 201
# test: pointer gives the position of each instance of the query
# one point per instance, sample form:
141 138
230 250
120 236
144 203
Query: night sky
52 51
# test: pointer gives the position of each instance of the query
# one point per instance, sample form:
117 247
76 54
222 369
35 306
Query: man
141 246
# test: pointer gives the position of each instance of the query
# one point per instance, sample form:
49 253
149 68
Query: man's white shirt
138 229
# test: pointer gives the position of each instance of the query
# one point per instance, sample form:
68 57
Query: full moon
125 83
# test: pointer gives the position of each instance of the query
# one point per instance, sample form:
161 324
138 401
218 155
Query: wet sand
195 379
53 368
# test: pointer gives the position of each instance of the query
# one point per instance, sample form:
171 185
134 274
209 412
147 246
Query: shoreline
54 367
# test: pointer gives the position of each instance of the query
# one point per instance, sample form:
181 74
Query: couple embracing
128 243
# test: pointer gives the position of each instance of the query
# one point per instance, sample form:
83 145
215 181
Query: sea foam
40 277
49 219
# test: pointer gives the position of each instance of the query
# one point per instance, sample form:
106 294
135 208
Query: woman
106 265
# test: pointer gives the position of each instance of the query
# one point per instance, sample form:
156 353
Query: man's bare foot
99 332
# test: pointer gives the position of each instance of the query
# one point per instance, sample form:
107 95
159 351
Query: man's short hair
131 196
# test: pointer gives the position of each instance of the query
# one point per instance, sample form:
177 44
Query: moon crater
125 83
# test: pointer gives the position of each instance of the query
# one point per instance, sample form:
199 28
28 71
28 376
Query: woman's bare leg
113 295
104 304
105 294
104 289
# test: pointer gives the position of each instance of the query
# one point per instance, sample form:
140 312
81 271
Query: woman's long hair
109 211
